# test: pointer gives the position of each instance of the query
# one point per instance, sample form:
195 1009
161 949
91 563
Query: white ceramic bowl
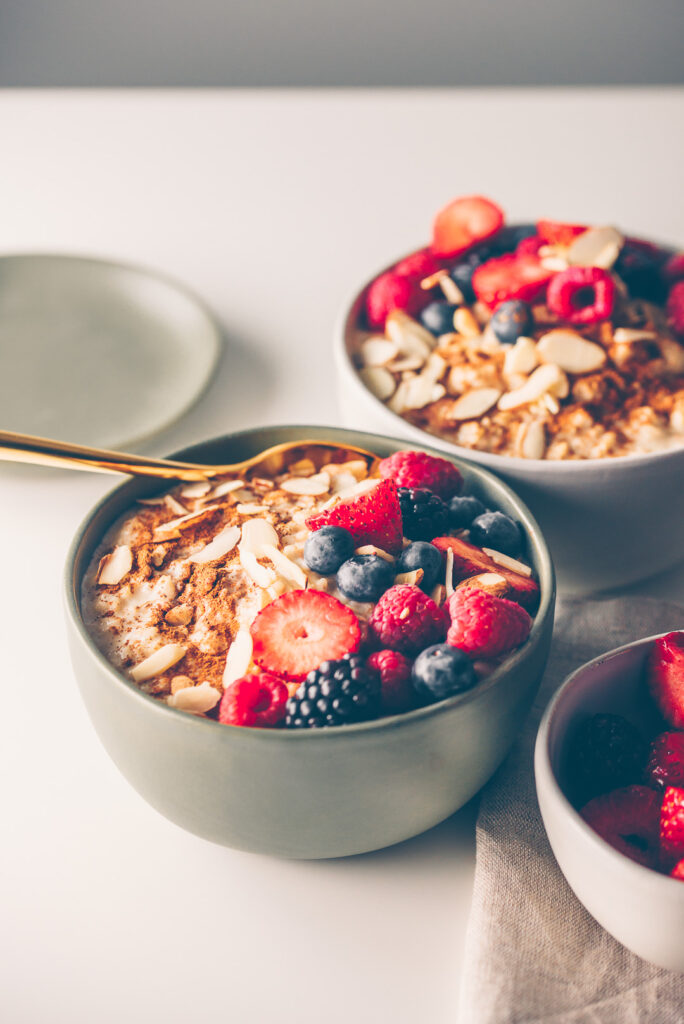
642 909
608 522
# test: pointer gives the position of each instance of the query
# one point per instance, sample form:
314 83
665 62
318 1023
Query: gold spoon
44 452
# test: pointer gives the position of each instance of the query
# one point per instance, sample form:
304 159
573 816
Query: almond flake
465 323
259 574
379 381
404 613
596 247
397 402
490 582
362 487
180 683
570 351
452 293
507 562
405 364
158 662
227 487
551 403
370 549
196 699
411 579
167 531
250 509
285 567
276 589
342 482
420 391
114 566
219 547
521 357
474 403
555 263
378 351
175 506
160 500
449 573
257 535
428 283
533 439
434 368
179 615
438 593
293 550
197 490
238 658
548 377
315 485
357 467
628 335
410 337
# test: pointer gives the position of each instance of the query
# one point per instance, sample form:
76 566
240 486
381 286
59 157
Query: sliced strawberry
672 824
529 246
510 277
665 677
470 560
372 518
418 265
554 232
665 766
462 223
678 871
628 819
300 630
390 291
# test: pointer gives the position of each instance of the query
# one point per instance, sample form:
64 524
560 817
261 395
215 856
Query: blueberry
511 320
438 317
421 555
365 577
441 671
326 549
462 275
497 530
508 238
463 509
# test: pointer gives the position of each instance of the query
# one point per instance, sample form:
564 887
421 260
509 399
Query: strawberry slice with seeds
462 223
513 276
372 518
418 265
665 677
672 824
554 232
300 630
470 560
628 819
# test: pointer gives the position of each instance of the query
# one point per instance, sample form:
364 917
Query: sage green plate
308 793
98 353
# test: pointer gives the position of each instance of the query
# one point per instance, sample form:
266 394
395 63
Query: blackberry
424 515
335 693
605 753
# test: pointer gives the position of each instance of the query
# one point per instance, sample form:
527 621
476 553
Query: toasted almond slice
551 403
533 440
250 509
452 293
410 337
342 482
160 661
490 582
629 335
196 699
357 467
405 363
226 487
412 578
507 562
555 263
433 279
521 357
179 615
285 567
465 323
438 593
159 500
379 381
114 566
449 574
362 487
302 467
545 378
294 550
166 531
259 574
314 485
596 247
276 589
570 351
197 490
175 506
257 534
180 683
421 391
474 403
370 549
238 658
377 351
219 547
434 367
397 402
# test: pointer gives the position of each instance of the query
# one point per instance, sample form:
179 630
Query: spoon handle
40 451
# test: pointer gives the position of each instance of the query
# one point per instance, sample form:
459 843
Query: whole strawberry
606 752
394 670
665 677
628 819
407 620
665 765
484 626
672 824
372 518
418 469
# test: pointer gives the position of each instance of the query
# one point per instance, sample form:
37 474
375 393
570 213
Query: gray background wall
339 42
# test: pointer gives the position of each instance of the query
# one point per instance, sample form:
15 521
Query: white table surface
272 205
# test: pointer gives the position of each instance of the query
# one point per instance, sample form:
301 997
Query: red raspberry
484 626
628 819
675 307
553 232
665 677
530 246
390 291
395 679
418 265
407 620
257 700
417 469
678 871
672 824
462 223
581 295
674 268
510 277
372 518
665 765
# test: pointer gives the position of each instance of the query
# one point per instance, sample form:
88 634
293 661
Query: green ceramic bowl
309 793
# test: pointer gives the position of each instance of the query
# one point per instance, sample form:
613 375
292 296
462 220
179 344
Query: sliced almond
379 381
314 485
434 367
412 578
378 351
359 487
438 593
452 293
474 403
405 363
294 550
596 247
410 337
114 566
507 562
219 547
522 357
226 487
570 351
238 658
302 467
167 531
180 683
491 582
257 535
465 323
629 335
175 506
285 567
370 549
342 482
421 391
159 500
449 573
555 263
428 283
250 508
196 699
158 662
357 467
397 402
533 440
551 403
197 490
259 574
545 378
179 615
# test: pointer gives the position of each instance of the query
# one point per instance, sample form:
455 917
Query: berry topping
581 295
640 266
665 765
485 626
418 469
335 693
553 232
422 555
395 681
418 265
675 308
326 549
438 317
296 632
472 561
674 268
372 518
423 513
606 752
365 577
678 871
463 509
530 246
387 292
511 320
442 671
510 277
665 676
407 620
672 824
462 274
462 223
498 531
628 819
257 700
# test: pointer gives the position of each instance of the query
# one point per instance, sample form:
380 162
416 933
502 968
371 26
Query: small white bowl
642 909
608 522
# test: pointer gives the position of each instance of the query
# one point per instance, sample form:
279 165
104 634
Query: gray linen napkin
533 953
